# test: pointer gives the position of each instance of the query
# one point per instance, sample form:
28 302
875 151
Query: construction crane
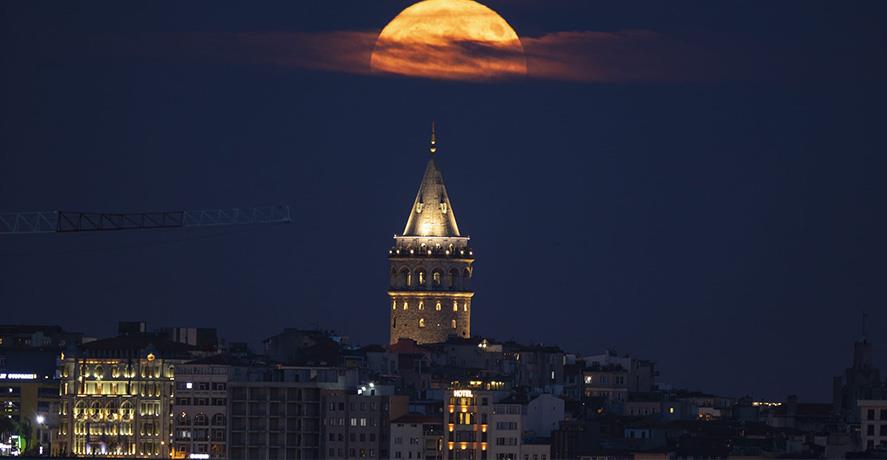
75 221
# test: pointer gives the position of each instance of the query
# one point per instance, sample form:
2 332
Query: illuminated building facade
29 395
470 416
116 397
430 268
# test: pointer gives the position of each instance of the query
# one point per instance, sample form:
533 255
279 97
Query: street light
41 420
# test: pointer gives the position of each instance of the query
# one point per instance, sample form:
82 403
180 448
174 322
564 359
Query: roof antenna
433 147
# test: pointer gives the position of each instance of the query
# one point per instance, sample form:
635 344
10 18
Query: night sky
719 208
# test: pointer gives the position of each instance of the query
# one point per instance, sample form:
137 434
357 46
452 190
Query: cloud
629 56
606 57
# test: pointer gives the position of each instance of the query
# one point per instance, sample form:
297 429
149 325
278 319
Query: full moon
449 39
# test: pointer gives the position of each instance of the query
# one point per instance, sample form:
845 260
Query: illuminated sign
198 456
5 376
462 393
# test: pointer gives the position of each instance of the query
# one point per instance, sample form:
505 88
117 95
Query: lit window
437 306
421 277
421 322
421 305
436 278
465 306
394 304
453 324
406 305
455 306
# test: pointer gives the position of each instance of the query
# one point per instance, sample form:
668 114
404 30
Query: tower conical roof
432 213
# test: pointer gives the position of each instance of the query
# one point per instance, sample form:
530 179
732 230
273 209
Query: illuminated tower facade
430 267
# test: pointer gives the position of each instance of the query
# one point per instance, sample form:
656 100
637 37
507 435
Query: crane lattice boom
71 221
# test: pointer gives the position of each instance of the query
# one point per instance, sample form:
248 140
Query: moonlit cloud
630 56
603 57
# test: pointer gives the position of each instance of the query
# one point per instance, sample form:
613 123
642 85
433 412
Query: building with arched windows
430 268
116 395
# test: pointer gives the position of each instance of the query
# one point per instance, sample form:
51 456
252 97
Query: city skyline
730 224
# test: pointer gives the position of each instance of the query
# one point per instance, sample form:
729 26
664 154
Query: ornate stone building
116 397
430 267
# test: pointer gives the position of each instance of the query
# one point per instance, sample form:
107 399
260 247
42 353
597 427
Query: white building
415 436
873 422
535 451
506 431
544 415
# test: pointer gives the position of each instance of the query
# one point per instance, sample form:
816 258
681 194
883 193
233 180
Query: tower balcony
431 252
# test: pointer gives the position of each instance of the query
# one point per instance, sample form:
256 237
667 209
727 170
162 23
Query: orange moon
449 39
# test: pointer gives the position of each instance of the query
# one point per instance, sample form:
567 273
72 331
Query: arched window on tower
437 306
452 278
421 305
453 323
436 278
407 277
420 275
455 305
421 322
406 305
394 322
464 306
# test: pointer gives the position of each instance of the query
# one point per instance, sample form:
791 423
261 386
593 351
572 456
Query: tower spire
433 146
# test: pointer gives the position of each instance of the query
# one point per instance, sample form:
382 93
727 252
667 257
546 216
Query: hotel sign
5 376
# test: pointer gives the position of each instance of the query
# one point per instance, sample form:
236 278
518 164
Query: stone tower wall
425 312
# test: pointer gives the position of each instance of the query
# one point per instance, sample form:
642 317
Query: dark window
871 414
870 429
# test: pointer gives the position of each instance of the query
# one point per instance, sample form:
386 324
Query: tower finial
433 147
